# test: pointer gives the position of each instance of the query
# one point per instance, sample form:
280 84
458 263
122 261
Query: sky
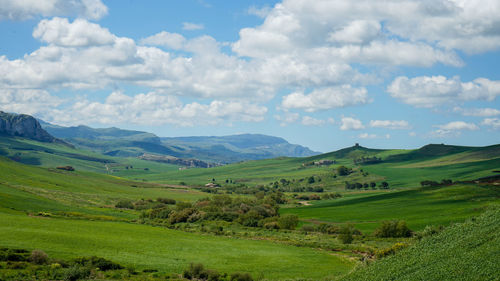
324 74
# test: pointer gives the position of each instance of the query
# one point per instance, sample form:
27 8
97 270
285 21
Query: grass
418 207
167 250
464 251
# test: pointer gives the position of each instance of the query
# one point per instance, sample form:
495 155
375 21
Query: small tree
288 221
346 233
39 257
343 171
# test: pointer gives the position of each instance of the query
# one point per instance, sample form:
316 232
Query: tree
310 179
385 185
343 171
346 233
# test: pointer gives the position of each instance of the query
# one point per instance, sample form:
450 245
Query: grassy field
418 207
465 251
167 250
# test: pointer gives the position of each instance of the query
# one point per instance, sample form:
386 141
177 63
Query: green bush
346 234
237 276
76 272
288 221
124 204
97 262
393 229
197 271
166 201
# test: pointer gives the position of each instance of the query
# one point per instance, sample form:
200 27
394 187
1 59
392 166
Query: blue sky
324 74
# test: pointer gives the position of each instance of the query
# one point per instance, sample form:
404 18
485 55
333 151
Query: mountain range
212 149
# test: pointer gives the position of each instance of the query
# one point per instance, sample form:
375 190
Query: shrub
76 272
39 257
346 233
97 262
124 204
198 271
393 229
343 171
308 228
288 221
237 276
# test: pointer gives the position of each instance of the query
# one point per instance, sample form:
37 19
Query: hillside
464 251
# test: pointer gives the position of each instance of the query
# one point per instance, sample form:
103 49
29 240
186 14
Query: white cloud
326 98
156 109
310 121
453 129
27 101
492 122
192 26
79 33
26 9
412 134
367 136
349 123
425 91
458 125
287 118
174 41
481 112
390 124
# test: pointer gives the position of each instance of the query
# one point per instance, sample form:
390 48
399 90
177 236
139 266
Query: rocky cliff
23 126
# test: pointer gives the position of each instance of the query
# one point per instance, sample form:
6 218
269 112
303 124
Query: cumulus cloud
431 91
311 121
26 9
349 123
27 101
173 41
192 26
390 124
494 123
480 112
326 98
453 129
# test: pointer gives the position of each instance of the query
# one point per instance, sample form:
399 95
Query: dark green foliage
241 277
125 204
199 272
96 262
76 272
311 180
288 221
343 171
7 254
393 229
346 234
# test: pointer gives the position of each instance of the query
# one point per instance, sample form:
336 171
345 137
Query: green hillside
464 251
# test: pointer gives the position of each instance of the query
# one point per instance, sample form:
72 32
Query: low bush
39 257
125 204
393 229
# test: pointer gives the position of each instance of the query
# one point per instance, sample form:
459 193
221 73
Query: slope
464 251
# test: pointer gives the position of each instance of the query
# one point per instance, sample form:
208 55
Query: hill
464 251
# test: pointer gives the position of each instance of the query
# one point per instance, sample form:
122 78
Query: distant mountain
241 147
23 125
225 149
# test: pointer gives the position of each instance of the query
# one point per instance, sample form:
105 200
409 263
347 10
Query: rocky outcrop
23 126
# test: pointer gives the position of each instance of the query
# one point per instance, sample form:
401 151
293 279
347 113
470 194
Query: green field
418 207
